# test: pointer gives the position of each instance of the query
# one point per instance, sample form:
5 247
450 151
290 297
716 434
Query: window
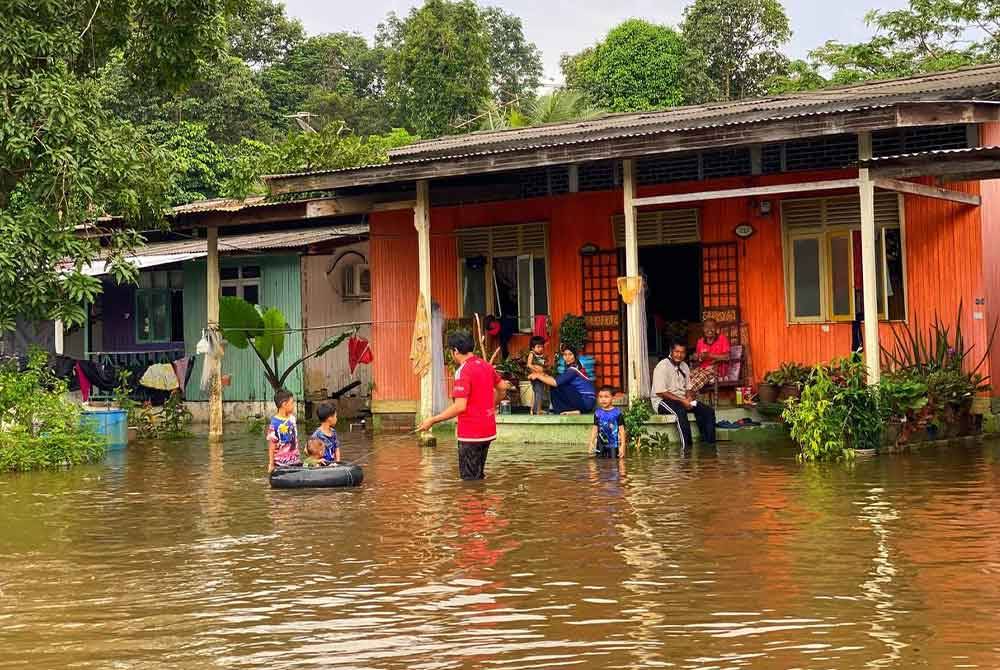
241 282
159 304
823 258
503 271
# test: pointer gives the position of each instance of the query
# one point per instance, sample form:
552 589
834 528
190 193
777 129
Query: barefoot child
327 432
607 437
536 364
282 436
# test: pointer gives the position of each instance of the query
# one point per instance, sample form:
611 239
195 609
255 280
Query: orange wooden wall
944 253
990 136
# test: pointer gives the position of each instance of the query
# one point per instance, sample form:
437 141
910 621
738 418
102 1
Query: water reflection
180 556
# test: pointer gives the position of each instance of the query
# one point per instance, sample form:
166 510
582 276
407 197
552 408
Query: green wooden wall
280 287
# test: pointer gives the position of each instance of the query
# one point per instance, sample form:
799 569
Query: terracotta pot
768 393
789 391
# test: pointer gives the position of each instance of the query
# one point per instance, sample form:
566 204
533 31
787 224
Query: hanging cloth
541 326
160 377
420 349
180 367
84 382
359 352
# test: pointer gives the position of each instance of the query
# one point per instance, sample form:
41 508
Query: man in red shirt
475 406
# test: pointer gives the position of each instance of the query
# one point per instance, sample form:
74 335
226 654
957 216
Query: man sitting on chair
672 393
711 356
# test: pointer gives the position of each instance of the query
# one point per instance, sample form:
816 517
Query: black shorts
472 460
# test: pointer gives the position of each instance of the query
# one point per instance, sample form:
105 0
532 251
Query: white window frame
824 233
524 326
240 284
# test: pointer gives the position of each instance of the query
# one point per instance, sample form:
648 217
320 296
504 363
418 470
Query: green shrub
39 426
573 332
636 431
837 413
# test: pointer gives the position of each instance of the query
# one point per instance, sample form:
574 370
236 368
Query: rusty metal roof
231 205
965 83
253 242
987 152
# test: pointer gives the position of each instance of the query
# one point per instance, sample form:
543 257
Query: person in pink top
711 354
476 383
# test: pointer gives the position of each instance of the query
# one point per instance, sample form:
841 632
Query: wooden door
720 287
603 313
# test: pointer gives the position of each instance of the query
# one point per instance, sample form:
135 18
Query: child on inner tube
282 435
323 447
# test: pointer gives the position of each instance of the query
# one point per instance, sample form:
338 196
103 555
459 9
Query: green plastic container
110 424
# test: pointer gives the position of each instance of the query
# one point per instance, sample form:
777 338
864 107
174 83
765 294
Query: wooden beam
633 318
869 269
926 191
422 222
213 291
752 191
953 170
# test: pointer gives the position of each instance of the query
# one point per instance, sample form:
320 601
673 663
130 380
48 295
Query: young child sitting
282 436
315 454
607 438
536 363
326 434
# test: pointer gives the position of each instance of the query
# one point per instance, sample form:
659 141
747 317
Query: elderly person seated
711 356
673 394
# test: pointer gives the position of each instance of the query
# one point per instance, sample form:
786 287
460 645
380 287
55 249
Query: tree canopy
637 66
740 41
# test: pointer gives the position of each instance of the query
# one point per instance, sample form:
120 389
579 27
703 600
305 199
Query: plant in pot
905 408
513 370
791 378
573 333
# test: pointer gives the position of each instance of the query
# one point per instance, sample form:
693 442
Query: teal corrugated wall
281 288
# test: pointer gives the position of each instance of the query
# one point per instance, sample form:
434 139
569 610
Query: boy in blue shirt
327 432
607 437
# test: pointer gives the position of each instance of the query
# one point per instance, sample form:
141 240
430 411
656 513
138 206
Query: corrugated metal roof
231 205
583 140
165 253
976 152
964 82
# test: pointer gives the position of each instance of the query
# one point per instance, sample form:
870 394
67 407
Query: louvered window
503 271
822 242
657 228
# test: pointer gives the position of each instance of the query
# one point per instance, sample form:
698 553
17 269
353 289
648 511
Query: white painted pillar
869 267
422 222
213 290
59 342
633 319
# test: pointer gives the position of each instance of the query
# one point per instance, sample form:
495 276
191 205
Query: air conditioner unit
357 282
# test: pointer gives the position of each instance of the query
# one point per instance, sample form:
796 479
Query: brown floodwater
180 556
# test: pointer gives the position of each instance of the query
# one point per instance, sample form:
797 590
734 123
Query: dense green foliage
637 66
740 41
39 427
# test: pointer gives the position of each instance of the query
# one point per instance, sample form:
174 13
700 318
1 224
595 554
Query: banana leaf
270 343
239 321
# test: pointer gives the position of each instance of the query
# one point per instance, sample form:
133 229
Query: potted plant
791 378
513 370
573 333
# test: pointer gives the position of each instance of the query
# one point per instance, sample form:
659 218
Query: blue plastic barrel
588 362
109 424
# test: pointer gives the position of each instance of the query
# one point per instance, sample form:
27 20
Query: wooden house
791 215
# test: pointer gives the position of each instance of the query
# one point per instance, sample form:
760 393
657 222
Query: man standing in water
474 405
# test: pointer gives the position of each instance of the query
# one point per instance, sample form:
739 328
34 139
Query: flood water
180 556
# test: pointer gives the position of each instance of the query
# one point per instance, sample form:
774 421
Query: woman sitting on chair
572 391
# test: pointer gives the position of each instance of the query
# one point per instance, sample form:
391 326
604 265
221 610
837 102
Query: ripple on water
179 556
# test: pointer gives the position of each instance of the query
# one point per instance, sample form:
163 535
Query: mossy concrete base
549 429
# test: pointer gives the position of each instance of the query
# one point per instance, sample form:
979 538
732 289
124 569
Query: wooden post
213 287
633 319
422 222
60 333
869 270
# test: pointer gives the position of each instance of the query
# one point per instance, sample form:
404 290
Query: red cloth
475 381
541 328
84 382
719 347
358 352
